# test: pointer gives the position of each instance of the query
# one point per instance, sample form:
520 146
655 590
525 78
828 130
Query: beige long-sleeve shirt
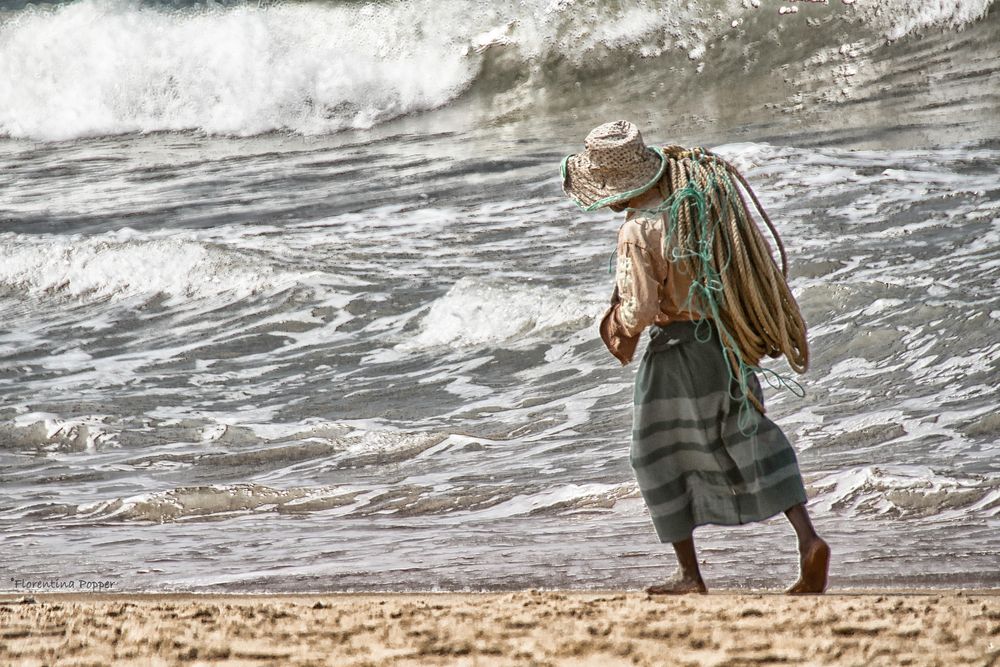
651 289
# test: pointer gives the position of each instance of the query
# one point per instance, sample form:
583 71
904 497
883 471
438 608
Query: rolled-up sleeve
638 304
638 287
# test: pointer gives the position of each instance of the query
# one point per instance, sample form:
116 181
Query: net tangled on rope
712 234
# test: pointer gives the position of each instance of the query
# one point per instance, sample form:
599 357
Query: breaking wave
899 491
222 501
116 266
99 67
881 492
478 312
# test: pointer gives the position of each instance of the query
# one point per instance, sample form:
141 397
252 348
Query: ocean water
290 298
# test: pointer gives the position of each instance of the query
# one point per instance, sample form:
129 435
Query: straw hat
615 166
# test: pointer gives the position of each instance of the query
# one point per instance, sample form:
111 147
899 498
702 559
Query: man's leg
687 579
814 553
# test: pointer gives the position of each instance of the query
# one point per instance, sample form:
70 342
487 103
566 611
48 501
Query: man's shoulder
642 228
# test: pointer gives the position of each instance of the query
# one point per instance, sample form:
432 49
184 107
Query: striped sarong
692 462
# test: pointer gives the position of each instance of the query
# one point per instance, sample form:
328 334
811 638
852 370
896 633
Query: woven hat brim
591 191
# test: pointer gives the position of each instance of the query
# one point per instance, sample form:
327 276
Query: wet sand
523 628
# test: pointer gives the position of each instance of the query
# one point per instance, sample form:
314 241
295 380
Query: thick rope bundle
735 280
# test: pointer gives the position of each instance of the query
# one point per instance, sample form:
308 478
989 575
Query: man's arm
634 304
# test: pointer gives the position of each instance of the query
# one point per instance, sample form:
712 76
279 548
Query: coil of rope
736 283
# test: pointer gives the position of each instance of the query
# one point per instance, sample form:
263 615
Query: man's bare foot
678 584
813 566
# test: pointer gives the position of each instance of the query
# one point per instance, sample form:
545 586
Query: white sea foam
109 66
567 497
116 266
186 503
899 18
478 312
905 491
49 432
382 446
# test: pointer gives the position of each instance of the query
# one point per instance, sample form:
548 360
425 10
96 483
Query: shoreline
532 627
14 596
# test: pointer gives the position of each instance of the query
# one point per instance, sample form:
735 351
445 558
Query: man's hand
615 298
618 343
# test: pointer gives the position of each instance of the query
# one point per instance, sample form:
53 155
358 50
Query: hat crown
615 145
615 166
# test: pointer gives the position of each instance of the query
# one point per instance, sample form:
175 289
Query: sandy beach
523 628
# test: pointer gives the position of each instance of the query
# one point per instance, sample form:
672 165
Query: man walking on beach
693 266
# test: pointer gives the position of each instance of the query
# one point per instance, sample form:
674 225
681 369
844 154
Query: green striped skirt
693 463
